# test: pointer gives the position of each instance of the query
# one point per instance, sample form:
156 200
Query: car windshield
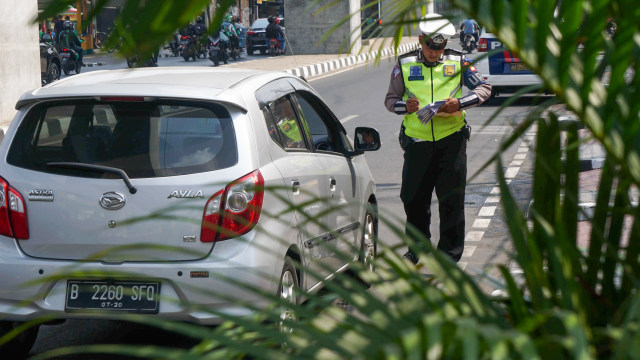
145 139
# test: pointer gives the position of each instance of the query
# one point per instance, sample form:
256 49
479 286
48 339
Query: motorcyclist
232 33
469 26
200 31
274 31
69 39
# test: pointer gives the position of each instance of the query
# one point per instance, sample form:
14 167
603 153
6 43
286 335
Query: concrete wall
305 27
19 55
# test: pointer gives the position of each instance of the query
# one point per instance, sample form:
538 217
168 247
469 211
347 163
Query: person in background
69 39
57 28
469 26
274 31
426 88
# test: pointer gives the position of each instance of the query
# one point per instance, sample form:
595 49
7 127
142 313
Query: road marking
469 250
492 199
511 172
487 211
474 236
347 118
481 223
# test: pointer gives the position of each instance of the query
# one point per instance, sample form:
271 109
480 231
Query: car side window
321 124
283 124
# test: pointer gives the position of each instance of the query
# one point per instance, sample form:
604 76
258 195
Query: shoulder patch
396 72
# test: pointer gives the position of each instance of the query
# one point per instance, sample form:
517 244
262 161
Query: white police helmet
436 29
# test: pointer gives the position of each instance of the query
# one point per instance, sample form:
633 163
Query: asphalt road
356 96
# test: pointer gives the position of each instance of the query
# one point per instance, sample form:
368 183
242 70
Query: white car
145 190
502 69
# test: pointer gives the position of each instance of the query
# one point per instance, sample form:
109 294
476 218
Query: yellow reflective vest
431 84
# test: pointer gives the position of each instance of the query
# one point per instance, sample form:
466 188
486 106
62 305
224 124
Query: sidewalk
592 156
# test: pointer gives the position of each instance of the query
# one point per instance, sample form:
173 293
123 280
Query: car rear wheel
19 346
288 292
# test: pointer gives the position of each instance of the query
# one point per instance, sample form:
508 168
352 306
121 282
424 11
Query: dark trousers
440 165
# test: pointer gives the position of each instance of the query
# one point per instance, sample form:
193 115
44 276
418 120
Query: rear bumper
34 288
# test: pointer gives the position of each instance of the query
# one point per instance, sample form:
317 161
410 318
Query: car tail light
13 213
482 45
235 210
251 32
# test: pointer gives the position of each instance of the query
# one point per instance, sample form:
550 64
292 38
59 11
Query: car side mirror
46 38
366 139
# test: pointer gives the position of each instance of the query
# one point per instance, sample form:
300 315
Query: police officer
426 87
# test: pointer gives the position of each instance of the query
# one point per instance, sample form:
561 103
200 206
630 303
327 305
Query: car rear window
145 139
260 24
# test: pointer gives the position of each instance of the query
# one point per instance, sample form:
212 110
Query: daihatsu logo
112 200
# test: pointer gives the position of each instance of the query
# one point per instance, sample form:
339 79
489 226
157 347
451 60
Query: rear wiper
97 168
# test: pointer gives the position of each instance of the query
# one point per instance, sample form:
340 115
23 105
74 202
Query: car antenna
286 39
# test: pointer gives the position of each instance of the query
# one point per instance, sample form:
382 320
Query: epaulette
454 52
414 52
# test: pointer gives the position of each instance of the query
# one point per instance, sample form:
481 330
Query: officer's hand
452 105
413 105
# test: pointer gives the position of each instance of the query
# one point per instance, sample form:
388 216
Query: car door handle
295 187
332 184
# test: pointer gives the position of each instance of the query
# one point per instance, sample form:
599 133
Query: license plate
184 42
65 55
519 67
112 296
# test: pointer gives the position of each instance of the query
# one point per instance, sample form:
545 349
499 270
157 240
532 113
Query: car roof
188 82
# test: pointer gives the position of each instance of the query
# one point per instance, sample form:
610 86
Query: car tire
288 294
54 73
20 345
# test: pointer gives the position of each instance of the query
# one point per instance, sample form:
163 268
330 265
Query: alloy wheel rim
369 246
287 296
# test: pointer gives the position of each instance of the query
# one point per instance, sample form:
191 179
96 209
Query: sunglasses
434 45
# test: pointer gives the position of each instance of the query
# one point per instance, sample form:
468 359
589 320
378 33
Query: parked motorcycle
218 49
70 61
188 47
469 43
135 61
